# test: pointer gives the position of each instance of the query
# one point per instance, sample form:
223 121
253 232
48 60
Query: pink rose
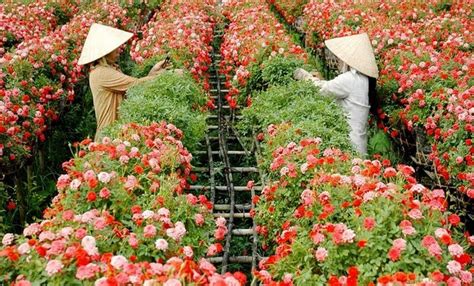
104 193
149 231
53 267
455 250
415 214
88 271
466 277
206 266
188 251
132 240
172 282
199 219
454 267
321 254
453 281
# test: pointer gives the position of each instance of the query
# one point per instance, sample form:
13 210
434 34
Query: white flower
75 184
104 177
161 244
148 214
118 261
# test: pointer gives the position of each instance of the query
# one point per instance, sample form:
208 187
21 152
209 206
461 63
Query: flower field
154 203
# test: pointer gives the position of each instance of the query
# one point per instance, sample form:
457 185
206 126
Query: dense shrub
175 98
300 104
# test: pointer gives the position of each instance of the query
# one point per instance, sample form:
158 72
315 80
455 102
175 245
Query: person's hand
317 75
157 67
301 74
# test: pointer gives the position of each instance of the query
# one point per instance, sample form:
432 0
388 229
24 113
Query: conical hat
100 41
356 51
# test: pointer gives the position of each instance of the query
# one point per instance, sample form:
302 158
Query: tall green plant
172 97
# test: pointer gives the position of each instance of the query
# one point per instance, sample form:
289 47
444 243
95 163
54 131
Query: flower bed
327 218
19 22
253 35
38 79
121 217
290 10
184 30
424 49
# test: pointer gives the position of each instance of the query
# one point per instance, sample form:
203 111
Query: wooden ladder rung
242 231
224 188
234 259
226 207
236 215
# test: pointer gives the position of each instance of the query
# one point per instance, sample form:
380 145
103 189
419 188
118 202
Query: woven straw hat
100 41
356 51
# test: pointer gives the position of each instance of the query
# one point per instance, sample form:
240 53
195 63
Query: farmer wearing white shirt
354 87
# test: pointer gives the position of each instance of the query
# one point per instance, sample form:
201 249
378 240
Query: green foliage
379 143
177 99
299 103
273 71
144 68
279 70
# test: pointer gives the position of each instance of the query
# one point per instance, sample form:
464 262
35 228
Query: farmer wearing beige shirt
108 84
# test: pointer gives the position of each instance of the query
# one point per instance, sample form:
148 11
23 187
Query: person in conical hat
108 84
354 88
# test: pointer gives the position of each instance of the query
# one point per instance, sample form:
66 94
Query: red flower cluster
120 218
37 80
253 35
184 29
19 22
324 212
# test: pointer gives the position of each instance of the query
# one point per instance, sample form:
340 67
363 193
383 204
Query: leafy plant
177 99
273 71
299 104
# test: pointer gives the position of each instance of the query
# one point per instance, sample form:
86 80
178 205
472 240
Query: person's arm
339 87
116 81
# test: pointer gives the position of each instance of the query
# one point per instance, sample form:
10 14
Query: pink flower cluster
38 78
19 22
350 213
100 229
253 34
184 29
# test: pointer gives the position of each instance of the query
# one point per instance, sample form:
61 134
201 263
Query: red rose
91 196
454 219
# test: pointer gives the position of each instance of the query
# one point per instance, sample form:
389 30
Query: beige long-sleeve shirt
108 87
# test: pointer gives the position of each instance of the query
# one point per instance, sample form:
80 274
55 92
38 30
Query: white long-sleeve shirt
351 91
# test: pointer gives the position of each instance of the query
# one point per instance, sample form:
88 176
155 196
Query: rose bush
121 218
38 79
184 30
19 22
328 218
253 35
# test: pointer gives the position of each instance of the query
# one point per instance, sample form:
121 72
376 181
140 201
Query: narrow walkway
224 166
